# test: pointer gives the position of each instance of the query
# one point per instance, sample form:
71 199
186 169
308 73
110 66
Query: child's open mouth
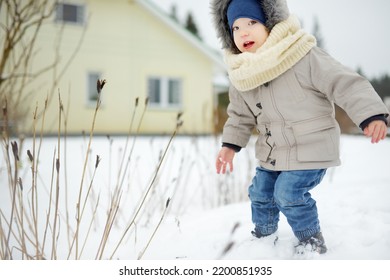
249 44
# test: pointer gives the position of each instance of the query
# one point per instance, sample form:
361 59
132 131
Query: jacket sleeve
241 121
345 87
366 122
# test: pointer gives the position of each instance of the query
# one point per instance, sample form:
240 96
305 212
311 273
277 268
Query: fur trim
275 11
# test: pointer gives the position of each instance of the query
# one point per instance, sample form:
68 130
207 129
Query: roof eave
210 53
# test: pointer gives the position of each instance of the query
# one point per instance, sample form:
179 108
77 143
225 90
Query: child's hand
224 158
377 130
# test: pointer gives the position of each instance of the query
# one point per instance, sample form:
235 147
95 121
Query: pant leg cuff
306 234
266 230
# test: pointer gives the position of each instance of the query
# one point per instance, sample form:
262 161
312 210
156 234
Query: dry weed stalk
23 232
179 123
141 254
99 86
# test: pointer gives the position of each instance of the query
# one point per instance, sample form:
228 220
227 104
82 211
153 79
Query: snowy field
354 209
206 212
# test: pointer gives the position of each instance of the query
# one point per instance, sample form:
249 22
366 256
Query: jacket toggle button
273 162
258 105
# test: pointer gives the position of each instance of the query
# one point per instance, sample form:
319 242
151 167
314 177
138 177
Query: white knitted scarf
286 44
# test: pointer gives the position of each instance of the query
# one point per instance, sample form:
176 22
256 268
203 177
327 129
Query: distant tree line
382 85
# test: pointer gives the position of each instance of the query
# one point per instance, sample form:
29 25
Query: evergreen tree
191 26
173 13
382 85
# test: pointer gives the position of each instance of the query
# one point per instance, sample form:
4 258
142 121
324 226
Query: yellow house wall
126 44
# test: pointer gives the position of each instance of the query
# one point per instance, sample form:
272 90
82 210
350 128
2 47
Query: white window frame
80 10
164 102
92 94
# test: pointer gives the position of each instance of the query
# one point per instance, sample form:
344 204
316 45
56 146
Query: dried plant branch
140 256
47 224
57 188
119 180
112 214
100 84
139 208
90 225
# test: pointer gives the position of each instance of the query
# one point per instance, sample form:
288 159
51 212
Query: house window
165 92
92 94
70 13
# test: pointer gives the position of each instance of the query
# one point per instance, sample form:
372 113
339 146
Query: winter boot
315 243
257 234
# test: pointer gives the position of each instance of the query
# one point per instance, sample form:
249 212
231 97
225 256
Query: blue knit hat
245 9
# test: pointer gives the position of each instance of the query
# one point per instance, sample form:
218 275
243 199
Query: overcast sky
355 32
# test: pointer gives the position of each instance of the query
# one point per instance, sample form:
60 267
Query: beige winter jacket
294 113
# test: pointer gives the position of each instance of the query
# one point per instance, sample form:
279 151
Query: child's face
249 34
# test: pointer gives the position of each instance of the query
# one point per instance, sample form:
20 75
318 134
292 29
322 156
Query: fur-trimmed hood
275 11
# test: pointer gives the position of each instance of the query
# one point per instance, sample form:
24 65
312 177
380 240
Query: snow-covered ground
207 212
354 209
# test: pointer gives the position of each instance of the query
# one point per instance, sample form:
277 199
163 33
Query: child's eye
252 22
235 28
